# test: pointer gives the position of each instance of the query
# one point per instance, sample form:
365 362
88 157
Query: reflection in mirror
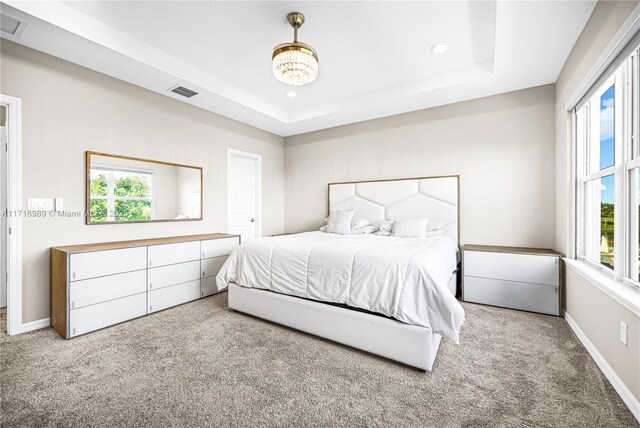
122 189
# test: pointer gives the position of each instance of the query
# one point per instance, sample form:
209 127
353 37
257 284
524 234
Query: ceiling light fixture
291 94
295 63
440 47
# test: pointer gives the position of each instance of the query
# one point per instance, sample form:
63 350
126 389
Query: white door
3 218
243 194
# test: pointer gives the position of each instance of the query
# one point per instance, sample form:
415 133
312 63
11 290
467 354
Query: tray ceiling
375 57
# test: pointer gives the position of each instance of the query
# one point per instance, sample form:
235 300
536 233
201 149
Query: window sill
623 293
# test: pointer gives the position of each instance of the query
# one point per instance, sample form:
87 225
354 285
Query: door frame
258 159
14 222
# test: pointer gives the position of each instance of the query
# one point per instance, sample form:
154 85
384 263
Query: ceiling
375 57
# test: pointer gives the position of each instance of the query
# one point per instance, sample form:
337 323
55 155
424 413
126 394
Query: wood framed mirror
124 189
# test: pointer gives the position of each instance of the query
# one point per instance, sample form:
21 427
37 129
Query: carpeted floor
201 364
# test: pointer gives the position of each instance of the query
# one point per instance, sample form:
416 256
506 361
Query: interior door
3 218
244 195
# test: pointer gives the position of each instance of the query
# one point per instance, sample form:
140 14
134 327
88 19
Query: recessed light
291 94
440 47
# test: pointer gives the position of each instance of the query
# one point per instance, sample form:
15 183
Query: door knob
252 220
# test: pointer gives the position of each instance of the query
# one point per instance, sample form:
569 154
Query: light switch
39 204
624 333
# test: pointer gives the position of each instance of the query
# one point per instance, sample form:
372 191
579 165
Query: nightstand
528 279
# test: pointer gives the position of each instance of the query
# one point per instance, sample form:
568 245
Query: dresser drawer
211 267
173 274
174 295
168 254
109 262
208 286
510 294
219 247
512 267
94 317
97 290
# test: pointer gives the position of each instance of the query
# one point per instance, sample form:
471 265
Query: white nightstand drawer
510 294
536 269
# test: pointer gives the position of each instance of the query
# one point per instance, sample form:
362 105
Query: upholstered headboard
435 198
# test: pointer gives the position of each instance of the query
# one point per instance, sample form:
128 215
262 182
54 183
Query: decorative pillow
365 230
383 233
435 225
339 222
385 225
359 223
415 228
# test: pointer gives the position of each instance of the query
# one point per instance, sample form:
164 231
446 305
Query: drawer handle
202 273
73 305
150 285
202 294
73 275
203 255
150 263
150 308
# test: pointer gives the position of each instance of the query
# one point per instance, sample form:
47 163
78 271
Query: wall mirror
122 189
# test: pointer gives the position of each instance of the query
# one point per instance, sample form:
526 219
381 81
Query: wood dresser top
513 250
82 248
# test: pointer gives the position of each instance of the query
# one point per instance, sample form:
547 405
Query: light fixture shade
295 64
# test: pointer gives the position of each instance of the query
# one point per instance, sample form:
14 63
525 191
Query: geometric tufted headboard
435 198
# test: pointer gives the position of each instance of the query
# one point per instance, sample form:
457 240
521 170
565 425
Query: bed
393 297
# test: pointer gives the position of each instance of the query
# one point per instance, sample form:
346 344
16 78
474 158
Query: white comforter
403 278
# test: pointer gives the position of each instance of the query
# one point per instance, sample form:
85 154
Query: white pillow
359 223
365 230
415 228
385 225
339 222
435 225
383 233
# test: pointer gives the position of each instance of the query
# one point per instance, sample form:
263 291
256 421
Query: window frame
111 197
625 79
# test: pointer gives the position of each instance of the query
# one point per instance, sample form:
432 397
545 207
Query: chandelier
295 63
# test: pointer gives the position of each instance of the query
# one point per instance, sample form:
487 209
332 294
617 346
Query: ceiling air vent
11 26
185 92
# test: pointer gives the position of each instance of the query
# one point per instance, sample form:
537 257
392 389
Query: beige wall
502 147
67 109
597 315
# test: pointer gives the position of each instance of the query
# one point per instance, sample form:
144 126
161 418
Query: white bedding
403 278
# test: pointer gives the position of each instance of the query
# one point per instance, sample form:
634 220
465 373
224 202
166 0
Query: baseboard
35 325
632 402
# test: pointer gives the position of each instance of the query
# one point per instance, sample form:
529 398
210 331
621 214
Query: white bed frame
435 198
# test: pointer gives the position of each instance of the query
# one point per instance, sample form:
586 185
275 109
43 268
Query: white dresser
528 279
98 285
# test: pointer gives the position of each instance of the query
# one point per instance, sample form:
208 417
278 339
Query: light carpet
201 365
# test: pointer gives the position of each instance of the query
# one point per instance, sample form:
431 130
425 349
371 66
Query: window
120 195
608 174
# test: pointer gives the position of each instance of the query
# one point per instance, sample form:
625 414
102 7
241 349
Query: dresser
528 279
97 285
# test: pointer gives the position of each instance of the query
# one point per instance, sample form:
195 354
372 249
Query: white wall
67 109
502 146
597 315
